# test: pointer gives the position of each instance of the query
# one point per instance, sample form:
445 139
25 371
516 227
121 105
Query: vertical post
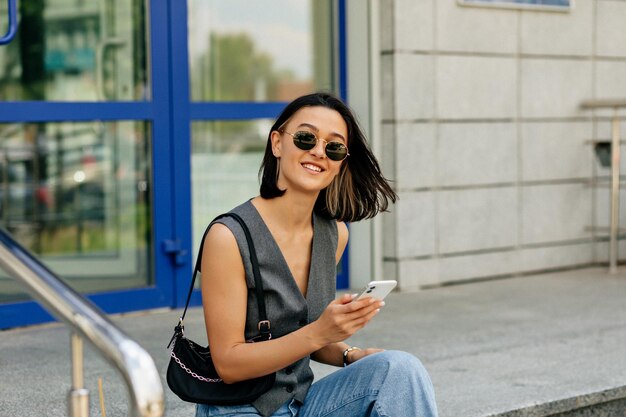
78 397
615 183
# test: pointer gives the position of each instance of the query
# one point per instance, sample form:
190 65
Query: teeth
312 167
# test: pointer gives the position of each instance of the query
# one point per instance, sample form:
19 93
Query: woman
317 173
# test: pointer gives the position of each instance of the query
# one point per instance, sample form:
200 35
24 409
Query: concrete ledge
609 403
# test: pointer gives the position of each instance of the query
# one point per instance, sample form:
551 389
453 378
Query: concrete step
544 345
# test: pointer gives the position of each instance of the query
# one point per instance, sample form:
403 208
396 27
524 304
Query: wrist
315 337
346 355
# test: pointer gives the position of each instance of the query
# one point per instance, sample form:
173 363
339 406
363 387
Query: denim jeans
385 384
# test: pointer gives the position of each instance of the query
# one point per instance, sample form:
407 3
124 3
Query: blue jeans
385 384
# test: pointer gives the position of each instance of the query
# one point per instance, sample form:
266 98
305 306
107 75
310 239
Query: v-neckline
282 256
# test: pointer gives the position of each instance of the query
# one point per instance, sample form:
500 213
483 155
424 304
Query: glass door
247 60
78 131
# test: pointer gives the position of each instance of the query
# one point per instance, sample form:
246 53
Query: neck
291 211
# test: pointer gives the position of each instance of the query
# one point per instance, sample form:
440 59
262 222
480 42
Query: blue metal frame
50 111
12 30
180 140
343 275
343 62
236 110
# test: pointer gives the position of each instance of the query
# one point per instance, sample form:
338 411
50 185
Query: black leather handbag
191 374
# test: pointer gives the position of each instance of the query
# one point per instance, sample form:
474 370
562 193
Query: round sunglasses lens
304 140
336 151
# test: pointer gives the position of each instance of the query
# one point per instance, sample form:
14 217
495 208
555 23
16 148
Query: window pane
76 50
225 161
77 195
263 50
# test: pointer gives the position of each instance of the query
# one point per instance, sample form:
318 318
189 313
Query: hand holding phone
377 289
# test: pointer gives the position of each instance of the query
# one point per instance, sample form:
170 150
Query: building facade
126 126
484 135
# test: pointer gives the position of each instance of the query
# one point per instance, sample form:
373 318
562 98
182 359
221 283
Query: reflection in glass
263 50
77 195
76 50
225 162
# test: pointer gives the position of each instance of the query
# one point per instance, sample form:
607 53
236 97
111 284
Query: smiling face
309 170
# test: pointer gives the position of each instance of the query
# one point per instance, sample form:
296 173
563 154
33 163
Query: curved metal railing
87 321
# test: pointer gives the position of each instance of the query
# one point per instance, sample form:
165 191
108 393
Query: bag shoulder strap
264 324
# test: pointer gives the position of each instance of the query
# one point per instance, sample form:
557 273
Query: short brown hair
359 191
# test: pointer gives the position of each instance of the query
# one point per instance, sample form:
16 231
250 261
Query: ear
276 139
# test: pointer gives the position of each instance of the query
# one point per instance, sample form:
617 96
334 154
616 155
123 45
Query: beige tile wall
485 141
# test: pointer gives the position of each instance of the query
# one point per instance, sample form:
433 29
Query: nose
319 149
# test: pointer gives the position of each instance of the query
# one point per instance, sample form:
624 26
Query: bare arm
224 295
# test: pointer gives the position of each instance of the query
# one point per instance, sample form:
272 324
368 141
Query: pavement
541 345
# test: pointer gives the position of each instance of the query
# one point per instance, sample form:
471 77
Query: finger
347 298
363 309
354 321
359 304
363 320
370 351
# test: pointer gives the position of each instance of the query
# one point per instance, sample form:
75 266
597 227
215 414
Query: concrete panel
477 219
390 270
477 153
602 214
415 224
416 274
388 85
556 151
537 259
414 25
554 88
558 33
415 155
476 87
468 267
471 29
611 31
386 25
601 254
414 86
389 233
552 213
387 160
610 80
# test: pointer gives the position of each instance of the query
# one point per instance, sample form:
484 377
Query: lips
312 167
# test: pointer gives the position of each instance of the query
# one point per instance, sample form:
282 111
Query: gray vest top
287 309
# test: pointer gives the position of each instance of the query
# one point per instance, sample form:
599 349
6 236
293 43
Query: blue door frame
170 113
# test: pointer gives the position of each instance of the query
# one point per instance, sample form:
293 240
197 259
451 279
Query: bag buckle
264 327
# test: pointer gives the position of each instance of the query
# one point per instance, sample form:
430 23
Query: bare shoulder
342 241
219 242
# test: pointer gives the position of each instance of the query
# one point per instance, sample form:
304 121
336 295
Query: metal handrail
603 103
614 104
86 320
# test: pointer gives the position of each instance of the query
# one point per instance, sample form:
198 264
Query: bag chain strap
190 372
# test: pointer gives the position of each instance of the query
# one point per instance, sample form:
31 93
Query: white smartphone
377 289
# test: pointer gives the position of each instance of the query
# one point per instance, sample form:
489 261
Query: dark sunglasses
306 141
